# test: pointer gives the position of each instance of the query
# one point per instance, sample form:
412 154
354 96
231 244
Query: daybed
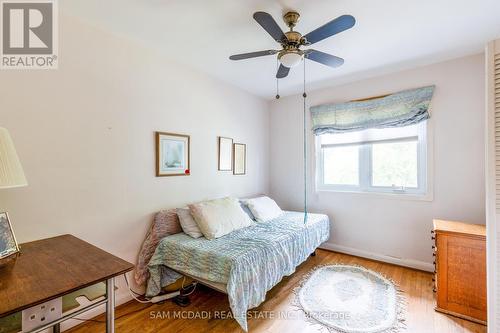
244 264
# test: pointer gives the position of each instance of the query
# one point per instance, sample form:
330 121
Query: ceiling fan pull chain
304 83
277 80
304 95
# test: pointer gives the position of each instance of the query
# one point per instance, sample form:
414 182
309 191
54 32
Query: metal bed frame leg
110 305
56 328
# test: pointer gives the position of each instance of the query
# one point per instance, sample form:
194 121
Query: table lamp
11 175
11 171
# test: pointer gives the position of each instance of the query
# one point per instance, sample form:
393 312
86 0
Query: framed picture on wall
8 243
225 154
172 154
240 158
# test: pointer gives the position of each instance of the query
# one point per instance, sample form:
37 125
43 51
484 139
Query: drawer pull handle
433 238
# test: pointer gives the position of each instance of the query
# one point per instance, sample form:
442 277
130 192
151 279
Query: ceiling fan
291 55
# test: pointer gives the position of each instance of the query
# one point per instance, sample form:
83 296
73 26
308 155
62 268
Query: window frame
365 173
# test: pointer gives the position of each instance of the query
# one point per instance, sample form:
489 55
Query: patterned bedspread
250 261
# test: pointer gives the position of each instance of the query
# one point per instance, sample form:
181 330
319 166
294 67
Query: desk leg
110 305
56 328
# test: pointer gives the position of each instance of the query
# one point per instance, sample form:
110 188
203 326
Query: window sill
386 195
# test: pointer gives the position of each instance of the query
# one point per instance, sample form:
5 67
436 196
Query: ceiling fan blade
282 72
269 24
324 58
252 54
331 28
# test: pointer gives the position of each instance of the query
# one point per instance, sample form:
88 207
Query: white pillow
217 218
188 224
264 208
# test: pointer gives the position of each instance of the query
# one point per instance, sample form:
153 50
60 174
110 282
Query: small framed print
240 159
8 243
172 154
225 154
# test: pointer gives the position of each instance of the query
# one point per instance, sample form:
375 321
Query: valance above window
396 110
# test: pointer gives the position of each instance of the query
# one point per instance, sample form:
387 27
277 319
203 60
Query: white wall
374 225
85 136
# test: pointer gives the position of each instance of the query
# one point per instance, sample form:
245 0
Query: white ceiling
389 35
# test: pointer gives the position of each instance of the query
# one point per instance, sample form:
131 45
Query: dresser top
53 267
460 227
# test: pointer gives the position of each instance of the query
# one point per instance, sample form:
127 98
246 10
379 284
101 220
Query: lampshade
290 59
11 171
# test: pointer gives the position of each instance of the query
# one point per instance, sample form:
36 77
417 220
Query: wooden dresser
460 269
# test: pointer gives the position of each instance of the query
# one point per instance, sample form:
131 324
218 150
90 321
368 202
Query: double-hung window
388 160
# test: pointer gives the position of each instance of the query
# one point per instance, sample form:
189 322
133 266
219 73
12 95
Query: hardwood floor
417 285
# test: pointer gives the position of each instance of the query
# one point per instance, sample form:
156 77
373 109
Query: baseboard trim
421 265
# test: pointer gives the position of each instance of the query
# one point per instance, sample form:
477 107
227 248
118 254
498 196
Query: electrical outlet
41 314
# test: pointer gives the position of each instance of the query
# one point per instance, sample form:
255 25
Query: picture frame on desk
8 242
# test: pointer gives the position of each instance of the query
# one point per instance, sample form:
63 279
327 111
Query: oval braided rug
351 299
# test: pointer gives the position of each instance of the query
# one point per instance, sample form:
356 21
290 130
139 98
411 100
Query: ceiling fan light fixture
290 53
290 58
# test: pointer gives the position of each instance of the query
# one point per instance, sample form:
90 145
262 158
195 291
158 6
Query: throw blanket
250 261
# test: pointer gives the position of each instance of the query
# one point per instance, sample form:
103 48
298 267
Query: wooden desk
51 268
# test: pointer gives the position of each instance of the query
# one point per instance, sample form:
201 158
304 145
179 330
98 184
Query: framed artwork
8 243
172 154
240 159
225 154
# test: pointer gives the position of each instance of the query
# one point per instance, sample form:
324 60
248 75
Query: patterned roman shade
396 110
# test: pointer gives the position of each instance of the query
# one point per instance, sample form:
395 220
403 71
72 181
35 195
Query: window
343 165
391 160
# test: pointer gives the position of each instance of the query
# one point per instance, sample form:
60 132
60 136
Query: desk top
51 268
460 227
